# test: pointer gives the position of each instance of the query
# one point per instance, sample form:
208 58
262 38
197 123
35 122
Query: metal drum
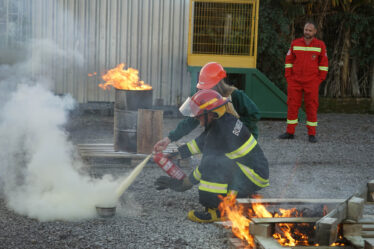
126 108
133 100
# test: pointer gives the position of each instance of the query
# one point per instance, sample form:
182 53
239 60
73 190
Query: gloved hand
161 145
164 182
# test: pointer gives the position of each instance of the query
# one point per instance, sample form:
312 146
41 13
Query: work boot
312 139
207 216
286 136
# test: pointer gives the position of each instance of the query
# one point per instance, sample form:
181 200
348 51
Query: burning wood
288 233
123 79
240 223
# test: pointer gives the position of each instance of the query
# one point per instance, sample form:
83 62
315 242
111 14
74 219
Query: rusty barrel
126 105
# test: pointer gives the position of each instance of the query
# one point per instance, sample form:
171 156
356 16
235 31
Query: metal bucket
126 108
106 212
133 100
125 124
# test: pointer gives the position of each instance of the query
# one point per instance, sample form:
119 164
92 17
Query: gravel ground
335 167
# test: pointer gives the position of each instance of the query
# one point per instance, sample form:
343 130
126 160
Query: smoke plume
40 175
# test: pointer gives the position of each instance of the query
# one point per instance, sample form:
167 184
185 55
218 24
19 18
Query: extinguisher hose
130 178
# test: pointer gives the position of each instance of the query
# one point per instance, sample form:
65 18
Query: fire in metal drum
132 100
126 108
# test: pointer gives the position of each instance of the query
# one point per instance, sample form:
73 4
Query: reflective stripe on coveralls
244 149
255 178
197 174
213 187
294 121
311 49
192 146
311 123
323 68
288 65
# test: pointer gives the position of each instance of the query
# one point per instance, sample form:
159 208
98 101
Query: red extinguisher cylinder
168 166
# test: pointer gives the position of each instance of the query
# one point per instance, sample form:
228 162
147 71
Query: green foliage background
281 21
273 41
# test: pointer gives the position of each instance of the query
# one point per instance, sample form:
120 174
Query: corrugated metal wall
148 35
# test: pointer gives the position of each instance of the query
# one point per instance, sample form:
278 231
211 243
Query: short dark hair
311 22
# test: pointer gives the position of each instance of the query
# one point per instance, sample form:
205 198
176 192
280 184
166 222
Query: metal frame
235 61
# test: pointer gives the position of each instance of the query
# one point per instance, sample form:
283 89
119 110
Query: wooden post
263 230
149 129
355 208
327 231
370 194
352 229
327 227
352 233
369 244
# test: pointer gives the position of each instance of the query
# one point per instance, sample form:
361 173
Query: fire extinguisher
168 166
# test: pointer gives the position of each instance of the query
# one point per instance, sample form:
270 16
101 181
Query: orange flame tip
123 79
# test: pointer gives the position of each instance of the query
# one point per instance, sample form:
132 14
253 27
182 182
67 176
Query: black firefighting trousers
219 175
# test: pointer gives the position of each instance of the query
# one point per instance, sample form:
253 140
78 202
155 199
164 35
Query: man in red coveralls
306 67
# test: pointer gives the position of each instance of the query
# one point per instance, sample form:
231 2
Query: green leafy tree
273 41
343 24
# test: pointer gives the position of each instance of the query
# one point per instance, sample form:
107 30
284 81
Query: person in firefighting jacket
212 76
306 67
232 161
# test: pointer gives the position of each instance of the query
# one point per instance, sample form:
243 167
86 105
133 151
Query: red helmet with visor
201 102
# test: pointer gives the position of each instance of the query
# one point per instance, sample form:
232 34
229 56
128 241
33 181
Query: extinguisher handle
172 155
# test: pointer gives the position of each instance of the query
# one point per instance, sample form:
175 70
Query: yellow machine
224 31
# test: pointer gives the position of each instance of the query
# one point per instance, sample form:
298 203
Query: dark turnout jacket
235 161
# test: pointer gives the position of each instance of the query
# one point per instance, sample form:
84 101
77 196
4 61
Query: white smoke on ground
40 175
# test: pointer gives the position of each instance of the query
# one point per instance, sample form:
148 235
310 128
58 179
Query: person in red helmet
212 76
232 161
306 67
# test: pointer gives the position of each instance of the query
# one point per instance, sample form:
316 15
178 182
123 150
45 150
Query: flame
234 213
287 234
123 79
259 210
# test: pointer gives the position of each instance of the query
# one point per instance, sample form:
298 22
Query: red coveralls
306 67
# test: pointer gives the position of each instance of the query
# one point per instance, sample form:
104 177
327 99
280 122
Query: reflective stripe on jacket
305 63
227 136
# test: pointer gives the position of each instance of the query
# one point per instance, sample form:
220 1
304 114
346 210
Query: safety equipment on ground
203 101
286 136
164 182
208 216
168 166
210 74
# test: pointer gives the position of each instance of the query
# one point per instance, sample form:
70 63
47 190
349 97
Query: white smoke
40 174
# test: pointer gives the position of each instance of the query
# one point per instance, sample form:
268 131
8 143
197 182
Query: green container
270 100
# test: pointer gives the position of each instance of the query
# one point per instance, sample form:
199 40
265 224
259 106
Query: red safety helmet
202 102
210 75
